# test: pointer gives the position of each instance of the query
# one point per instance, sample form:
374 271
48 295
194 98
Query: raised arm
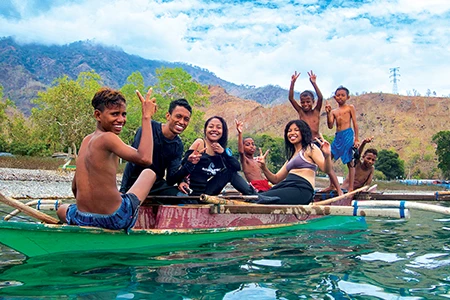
363 144
143 155
273 178
322 156
330 116
312 79
239 126
291 93
355 125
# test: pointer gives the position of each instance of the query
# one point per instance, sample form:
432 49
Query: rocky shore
21 183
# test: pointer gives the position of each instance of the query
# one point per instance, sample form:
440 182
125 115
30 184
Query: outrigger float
179 225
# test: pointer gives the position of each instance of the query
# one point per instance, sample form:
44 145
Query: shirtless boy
346 137
98 201
364 168
250 167
305 109
311 115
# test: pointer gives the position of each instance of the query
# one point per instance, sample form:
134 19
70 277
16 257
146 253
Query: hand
217 148
312 77
261 159
356 143
196 155
367 140
184 188
239 125
148 104
324 146
327 107
294 77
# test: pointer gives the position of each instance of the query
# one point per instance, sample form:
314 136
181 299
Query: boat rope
306 216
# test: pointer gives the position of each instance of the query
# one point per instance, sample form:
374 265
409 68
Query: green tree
175 83
63 115
442 140
390 164
3 119
134 112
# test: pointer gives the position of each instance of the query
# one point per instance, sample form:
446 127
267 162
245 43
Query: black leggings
292 190
217 183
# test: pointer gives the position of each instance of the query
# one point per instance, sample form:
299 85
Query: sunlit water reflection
390 260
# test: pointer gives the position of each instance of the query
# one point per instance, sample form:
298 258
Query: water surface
392 259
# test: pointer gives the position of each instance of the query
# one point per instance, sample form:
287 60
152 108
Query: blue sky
350 43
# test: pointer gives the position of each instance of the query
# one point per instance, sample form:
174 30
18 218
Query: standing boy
250 167
346 138
311 115
305 109
98 202
167 152
364 168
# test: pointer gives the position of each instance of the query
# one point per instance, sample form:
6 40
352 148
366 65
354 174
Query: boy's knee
61 212
148 173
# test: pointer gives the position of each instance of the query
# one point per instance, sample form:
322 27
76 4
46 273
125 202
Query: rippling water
390 260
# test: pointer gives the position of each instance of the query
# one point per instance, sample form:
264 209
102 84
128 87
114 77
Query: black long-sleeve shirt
167 156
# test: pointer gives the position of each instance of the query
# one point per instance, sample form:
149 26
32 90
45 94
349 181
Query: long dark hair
305 131
224 139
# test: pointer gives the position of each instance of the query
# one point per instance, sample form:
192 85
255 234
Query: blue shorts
123 218
343 144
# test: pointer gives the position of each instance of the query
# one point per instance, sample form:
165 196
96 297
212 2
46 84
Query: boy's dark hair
371 150
305 131
180 102
107 97
224 139
308 93
342 88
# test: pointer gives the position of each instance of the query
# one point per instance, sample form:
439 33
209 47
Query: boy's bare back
94 184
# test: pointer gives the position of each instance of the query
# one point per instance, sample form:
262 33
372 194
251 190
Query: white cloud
264 43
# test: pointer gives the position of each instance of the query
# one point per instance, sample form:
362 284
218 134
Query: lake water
391 259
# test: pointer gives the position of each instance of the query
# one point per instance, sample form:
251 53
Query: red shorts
261 185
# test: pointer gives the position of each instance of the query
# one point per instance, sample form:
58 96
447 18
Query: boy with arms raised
250 166
311 115
305 110
364 168
98 202
346 138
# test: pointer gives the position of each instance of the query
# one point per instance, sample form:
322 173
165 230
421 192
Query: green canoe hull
32 239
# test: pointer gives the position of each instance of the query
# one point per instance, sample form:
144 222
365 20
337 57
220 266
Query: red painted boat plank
199 216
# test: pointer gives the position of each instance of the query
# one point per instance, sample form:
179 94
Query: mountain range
404 124
29 68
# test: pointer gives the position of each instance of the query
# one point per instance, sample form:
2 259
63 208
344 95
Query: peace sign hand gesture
295 76
195 156
324 146
261 159
239 125
148 104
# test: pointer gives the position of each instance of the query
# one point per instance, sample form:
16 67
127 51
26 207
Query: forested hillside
28 69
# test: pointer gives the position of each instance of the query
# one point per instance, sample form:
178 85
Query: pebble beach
22 183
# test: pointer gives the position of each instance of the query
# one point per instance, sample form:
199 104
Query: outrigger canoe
181 225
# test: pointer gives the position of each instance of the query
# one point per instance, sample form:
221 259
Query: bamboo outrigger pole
402 204
299 210
28 210
334 199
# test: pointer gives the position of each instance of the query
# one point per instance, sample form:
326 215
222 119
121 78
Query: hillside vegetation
404 124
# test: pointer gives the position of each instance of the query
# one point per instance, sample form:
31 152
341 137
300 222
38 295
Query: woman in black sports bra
213 165
296 179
